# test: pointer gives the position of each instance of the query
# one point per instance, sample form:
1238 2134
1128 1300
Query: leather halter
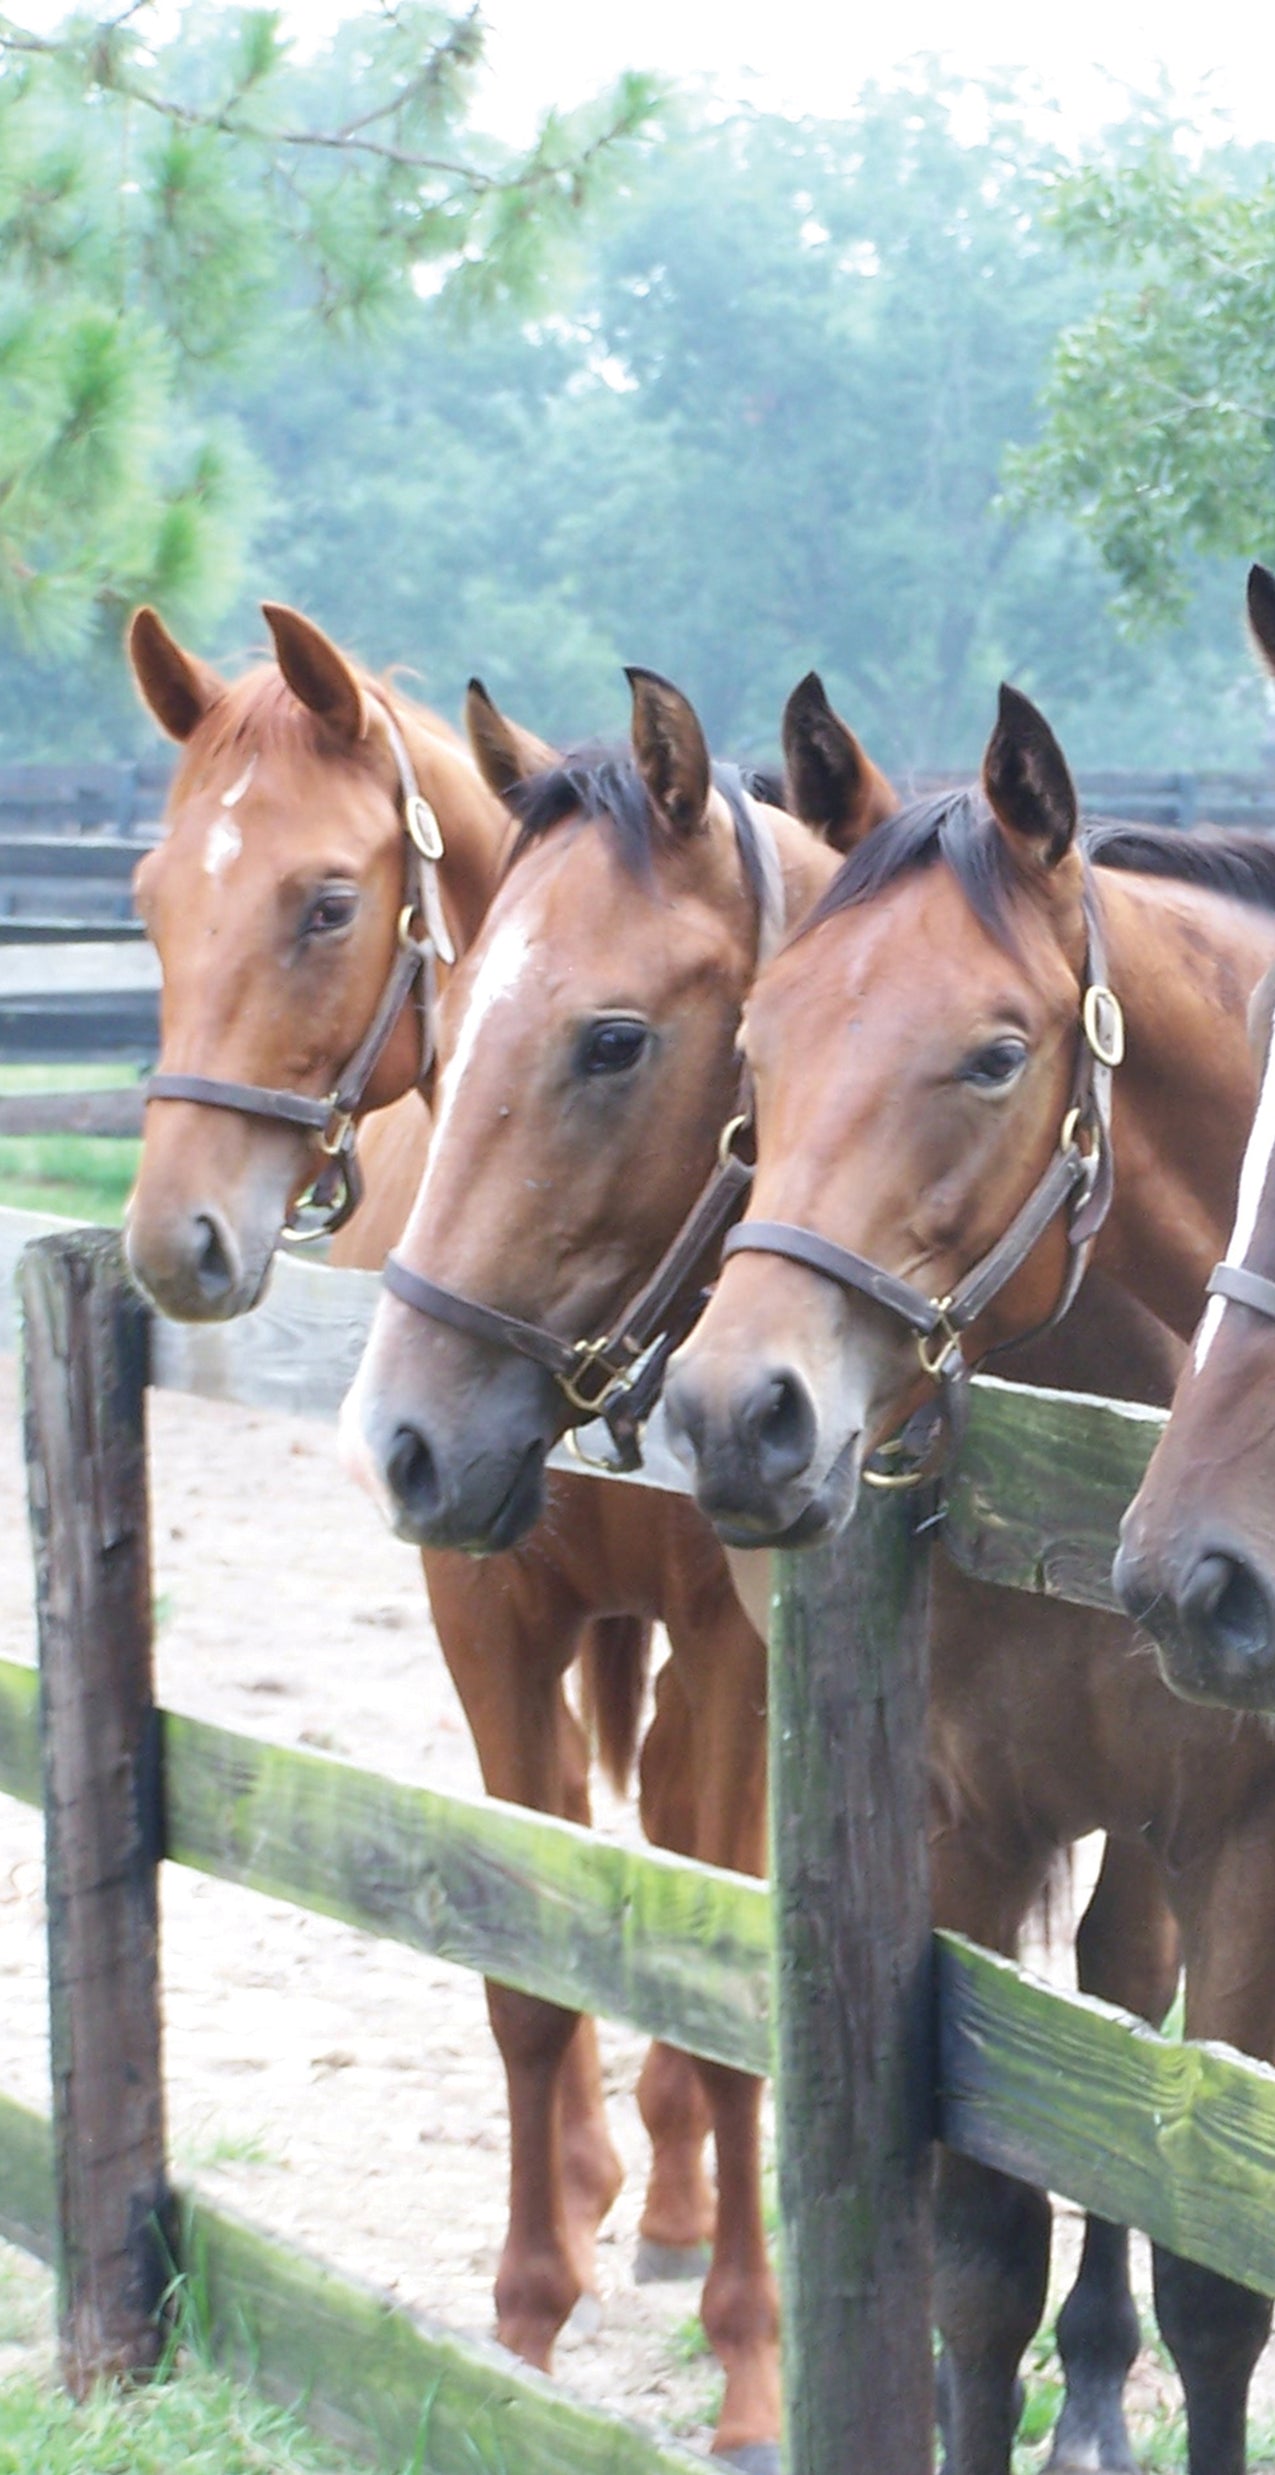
618 1375
1077 1179
338 1188
1231 1280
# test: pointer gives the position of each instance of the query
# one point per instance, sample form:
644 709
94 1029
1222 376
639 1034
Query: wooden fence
915 2037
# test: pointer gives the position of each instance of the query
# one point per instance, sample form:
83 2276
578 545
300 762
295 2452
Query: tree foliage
165 206
1160 432
768 430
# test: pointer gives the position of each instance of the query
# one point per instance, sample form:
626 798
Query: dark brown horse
1197 1553
923 1053
587 1053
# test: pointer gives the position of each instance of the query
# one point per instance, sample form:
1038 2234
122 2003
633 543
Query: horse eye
995 1067
330 911
612 1047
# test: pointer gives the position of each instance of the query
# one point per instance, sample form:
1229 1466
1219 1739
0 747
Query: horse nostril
215 1273
780 1420
1223 1600
412 1476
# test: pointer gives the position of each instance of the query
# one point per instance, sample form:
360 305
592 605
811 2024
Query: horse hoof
753 2458
585 2318
655 2262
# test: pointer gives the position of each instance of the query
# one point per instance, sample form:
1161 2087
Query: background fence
940 2040
71 835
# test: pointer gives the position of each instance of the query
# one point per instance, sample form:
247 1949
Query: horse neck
474 826
1183 962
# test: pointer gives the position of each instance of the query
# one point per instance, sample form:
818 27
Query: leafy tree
769 432
165 205
1160 431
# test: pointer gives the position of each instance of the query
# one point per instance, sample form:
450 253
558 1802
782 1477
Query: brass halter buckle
1103 1018
423 826
726 1139
936 1348
335 1137
590 1358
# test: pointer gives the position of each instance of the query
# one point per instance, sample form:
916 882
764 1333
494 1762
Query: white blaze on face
225 842
222 848
495 982
1253 1177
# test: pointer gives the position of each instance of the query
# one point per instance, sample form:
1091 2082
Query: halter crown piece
1077 1179
617 1376
337 1190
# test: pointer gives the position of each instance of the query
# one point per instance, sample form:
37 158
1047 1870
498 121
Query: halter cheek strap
1079 1180
338 1189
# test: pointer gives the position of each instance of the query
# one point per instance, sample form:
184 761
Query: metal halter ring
726 1139
336 1134
890 1481
1103 1018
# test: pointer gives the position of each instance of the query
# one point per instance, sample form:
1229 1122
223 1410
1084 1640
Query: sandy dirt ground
341 2091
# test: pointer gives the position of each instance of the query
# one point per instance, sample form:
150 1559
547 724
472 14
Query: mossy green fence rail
885 2037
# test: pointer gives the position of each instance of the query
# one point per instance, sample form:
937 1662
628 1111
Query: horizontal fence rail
1061 2089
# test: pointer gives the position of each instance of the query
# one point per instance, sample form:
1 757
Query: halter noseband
338 1189
1079 1180
602 1378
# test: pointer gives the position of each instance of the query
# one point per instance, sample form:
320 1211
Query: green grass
82 1176
190 2418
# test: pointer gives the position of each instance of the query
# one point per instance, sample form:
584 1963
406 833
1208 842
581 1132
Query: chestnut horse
587 1066
932 1135
1197 1545
275 904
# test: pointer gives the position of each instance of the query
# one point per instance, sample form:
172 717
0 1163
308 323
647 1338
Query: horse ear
319 676
1261 612
178 688
831 782
671 751
1025 776
504 752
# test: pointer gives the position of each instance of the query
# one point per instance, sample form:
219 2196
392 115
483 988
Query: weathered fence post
86 1365
855 2000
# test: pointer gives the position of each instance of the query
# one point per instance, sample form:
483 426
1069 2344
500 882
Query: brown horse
916 1051
587 1063
275 901
1197 1553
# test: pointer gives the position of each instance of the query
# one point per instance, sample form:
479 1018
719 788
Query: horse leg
991 2232
508 1630
1126 1952
677 2220
721 1664
1215 2329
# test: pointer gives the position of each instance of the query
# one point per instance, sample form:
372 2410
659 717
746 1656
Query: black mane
603 785
959 828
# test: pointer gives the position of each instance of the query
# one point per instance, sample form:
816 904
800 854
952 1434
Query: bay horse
1196 1563
276 903
586 1048
938 1152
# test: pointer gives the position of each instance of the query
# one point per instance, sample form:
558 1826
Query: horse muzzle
1211 1614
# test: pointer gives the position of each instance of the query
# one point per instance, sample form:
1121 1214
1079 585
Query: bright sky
816 55
813 56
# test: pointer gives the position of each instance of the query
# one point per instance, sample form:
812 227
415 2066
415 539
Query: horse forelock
601 785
